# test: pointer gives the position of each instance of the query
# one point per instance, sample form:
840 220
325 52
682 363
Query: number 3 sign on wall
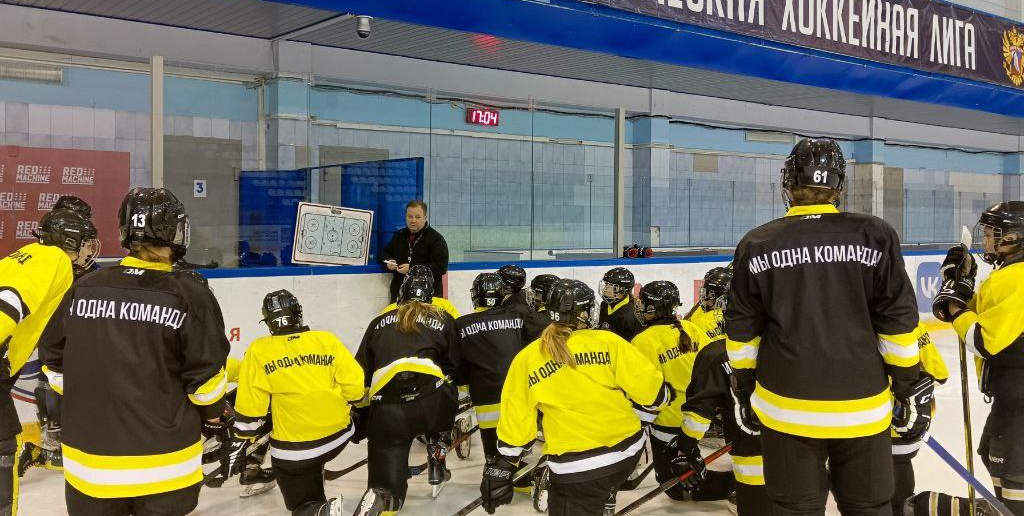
199 188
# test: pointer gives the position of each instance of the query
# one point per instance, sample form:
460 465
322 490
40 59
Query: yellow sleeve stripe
56 380
964 325
211 391
695 425
743 355
899 350
12 305
748 470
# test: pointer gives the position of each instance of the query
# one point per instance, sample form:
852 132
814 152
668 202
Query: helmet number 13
139 220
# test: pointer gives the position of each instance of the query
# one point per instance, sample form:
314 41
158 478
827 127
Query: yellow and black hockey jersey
138 352
822 308
386 352
992 328
439 302
589 424
33 281
488 341
620 319
305 380
660 344
711 323
708 398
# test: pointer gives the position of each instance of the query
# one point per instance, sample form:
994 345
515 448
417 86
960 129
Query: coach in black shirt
416 244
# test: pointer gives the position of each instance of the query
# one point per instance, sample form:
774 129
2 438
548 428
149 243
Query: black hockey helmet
571 302
487 290
75 204
716 288
513 277
154 216
416 288
658 299
539 288
814 163
1005 222
72 232
616 285
282 312
421 271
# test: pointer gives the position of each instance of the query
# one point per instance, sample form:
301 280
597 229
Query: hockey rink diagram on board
331 235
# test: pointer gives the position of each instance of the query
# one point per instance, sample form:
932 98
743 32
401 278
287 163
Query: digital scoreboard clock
482 116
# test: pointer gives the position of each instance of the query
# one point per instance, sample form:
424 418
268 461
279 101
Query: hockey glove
959 264
360 418
684 455
912 411
741 385
496 487
954 292
233 461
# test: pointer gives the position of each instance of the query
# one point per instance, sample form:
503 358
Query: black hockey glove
741 385
912 411
958 272
218 430
684 455
360 417
496 486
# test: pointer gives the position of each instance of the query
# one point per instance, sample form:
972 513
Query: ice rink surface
42 492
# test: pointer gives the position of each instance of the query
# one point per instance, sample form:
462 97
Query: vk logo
927 285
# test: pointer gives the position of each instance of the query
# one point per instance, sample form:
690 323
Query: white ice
42 491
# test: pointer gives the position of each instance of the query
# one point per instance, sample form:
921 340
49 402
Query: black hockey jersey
488 341
138 352
386 352
822 308
534 321
620 319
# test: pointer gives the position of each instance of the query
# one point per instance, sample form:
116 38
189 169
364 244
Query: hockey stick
966 240
972 482
633 483
523 473
671 483
413 470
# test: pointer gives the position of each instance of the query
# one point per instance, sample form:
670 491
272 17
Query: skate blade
435 490
253 490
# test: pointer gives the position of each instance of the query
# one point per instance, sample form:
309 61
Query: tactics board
331 235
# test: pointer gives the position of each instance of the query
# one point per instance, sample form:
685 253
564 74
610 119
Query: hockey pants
587 498
302 482
1002 451
391 429
172 503
860 471
10 447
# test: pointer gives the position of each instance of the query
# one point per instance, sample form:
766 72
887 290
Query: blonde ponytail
410 312
554 342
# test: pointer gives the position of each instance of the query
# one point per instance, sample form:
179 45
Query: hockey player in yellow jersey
424 272
304 380
990 323
406 356
583 383
707 314
150 342
33 280
671 345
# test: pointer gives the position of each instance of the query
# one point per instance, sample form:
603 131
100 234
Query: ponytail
410 312
686 344
554 342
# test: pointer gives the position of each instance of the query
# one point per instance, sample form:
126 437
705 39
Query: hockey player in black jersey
150 343
617 313
821 319
539 288
406 356
990 323
489 339
513 280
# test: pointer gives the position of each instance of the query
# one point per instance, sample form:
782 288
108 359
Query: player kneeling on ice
990 323
149 342
671 346
584 382
304 380
406 357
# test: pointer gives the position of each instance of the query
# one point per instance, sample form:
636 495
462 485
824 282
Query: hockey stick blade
668 484
413 470
966 237
966 476
631 484
472 506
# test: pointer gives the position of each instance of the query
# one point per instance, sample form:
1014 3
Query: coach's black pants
391 429
172 503
860 470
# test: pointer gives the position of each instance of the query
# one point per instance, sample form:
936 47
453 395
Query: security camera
363 26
